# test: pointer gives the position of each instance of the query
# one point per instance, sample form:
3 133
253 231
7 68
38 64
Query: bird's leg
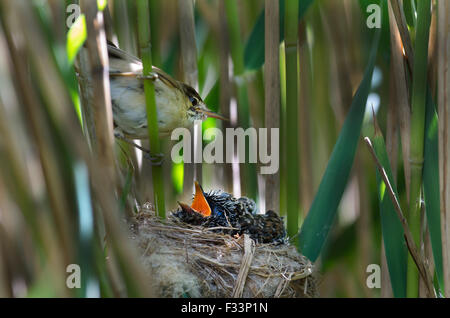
155 159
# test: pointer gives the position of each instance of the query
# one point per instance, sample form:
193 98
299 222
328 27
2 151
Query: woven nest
192 261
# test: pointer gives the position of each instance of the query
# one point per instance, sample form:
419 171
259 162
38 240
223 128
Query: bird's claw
151 76
155 159
119 134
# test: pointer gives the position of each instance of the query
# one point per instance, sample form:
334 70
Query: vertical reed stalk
340 52
155 19
418 103
193 170
306 179
38 115
52 122
391 148
5 278
443 94
188 44
324 135
82 65
283 172
12 168
248 171
143 19
102 109
55 222
14 172
124 26
272 93
292 158
400 19
109 27
401 94
225 88
432 51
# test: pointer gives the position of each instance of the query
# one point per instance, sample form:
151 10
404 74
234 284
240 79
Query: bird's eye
193 100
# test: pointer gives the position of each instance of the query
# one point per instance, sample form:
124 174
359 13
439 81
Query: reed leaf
409 8
419 259
321 215
101 4
76 36
394 244
431 186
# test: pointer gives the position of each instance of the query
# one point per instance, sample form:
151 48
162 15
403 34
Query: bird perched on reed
178 104
218 209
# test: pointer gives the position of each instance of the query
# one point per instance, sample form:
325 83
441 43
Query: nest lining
192 261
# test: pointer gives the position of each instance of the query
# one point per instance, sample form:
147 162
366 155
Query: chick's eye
193 100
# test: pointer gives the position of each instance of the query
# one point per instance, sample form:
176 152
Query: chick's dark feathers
237 216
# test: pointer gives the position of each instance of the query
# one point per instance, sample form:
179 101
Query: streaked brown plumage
178 104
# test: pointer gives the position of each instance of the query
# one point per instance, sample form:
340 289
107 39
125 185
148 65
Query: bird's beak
199 205
210 113
186 208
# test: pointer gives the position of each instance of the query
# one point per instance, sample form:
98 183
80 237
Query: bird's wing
115 52
163 76
122 62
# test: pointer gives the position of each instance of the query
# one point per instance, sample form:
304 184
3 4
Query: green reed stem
143 19
248 175
292 157
418 103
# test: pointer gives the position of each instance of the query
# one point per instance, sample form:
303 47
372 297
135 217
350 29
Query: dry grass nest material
192 261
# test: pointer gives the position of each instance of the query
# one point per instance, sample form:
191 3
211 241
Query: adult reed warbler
178 104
